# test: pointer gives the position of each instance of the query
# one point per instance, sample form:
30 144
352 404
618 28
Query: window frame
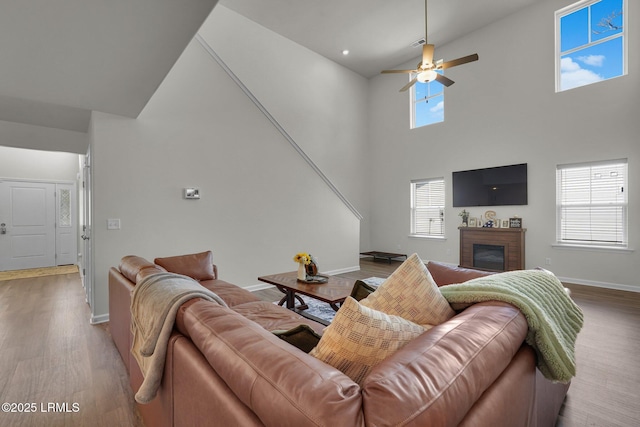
414 209
414 102
575 7
590 206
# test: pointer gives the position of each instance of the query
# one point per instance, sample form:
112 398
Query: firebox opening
490 257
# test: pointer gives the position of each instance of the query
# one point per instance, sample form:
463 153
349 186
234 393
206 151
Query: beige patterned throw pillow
359 338
411 293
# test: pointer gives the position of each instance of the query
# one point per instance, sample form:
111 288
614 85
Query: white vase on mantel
302 272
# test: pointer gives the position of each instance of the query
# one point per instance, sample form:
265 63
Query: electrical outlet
547 261
113 224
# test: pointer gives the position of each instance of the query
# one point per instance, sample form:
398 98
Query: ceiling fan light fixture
427 76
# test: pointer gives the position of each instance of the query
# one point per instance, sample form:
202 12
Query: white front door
27 225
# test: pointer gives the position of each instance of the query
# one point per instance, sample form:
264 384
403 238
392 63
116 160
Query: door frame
75 208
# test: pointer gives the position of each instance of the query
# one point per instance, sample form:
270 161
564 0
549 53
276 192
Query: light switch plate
113 224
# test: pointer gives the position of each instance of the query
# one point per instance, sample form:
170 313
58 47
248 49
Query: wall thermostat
191 193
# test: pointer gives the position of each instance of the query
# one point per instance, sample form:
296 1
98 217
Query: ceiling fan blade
408 85
444 80
427 55
459 61
398 71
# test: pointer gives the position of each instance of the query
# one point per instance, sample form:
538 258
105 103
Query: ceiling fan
426 70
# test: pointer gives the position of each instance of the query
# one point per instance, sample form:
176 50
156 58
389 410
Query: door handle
3 228
85 237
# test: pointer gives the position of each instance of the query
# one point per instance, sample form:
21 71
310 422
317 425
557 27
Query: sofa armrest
447 274
120 289
436 378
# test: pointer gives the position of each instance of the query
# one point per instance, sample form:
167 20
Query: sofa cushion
230 293
273 317
446 274
359 338
411 293
280 384
197 266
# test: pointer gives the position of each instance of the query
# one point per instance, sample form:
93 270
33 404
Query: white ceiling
59 60
377 33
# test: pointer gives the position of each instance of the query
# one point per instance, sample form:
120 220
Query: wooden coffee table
334 292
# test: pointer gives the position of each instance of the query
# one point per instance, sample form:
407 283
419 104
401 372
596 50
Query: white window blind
592 203
427 207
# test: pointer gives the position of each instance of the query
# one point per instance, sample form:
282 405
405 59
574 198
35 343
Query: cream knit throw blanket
154 306
554 319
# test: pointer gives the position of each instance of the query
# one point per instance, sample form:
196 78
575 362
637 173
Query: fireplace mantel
512 239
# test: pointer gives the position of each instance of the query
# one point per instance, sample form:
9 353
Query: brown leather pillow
197 266
446 274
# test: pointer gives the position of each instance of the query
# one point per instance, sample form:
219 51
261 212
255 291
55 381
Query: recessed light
345 52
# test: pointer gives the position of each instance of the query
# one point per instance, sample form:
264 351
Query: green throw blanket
554 319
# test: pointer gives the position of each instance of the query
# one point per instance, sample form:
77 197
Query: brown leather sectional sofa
225 368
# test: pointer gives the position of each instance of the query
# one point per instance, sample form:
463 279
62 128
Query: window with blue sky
427 103
590 43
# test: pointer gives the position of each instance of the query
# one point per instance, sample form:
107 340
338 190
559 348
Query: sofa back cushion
436 378
197 266
447 274
281 384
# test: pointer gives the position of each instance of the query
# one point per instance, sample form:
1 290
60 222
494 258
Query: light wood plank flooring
50 353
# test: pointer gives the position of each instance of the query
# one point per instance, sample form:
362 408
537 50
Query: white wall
18 163
319 103
260 202
42 138
503 110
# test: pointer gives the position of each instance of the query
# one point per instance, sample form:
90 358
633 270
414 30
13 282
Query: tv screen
499 186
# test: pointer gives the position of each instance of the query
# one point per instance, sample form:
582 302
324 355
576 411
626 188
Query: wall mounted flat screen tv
498 186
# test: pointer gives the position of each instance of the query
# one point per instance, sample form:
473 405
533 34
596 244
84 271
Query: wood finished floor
50 353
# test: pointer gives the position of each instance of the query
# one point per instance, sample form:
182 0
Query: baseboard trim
606 285
259 287
103 318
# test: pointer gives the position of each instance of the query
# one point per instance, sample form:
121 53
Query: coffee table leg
289 299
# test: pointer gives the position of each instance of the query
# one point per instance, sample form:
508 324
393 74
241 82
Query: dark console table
387 255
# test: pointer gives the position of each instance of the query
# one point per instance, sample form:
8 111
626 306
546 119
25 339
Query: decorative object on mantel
473 222
515 222
488 224
465 217
307 266
490 215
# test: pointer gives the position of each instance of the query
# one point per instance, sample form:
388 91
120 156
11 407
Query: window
592 203
427 207
590 43
427 103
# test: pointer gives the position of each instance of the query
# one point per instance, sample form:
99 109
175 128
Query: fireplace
494 249
488 257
